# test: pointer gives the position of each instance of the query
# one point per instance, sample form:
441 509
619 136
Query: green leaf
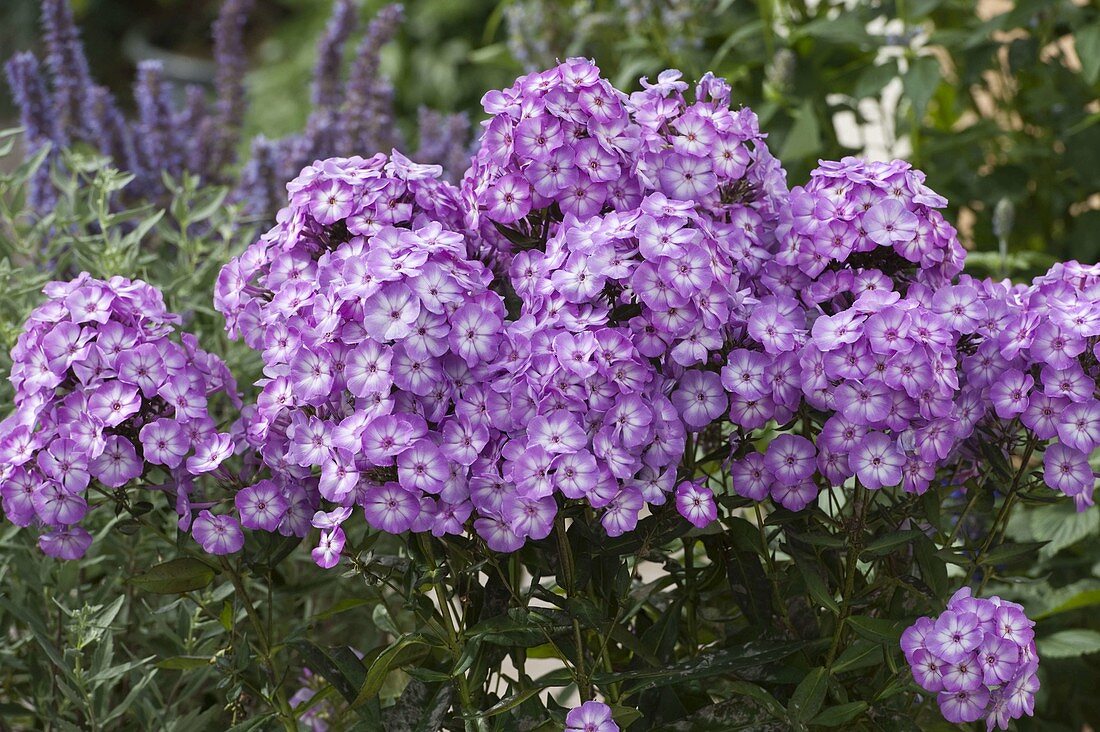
184 574
861 654
183 663
1011 551
815 584
1087 41
1088 598
255 723
511 702
1069 643
920 83
435 711
346 677
803 141
877 630
886 544
875 78
809 695
706 665
933 569
840 714
388 660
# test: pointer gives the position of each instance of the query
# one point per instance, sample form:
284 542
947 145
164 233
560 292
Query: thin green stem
454 636
282 705
861 503
1003 514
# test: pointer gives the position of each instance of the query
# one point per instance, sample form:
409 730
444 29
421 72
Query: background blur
998 100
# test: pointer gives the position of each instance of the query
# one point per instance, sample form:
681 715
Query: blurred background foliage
1000 100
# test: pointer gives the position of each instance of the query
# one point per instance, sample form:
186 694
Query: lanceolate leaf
184 574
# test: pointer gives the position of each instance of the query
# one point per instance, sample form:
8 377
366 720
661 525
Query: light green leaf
809 695
1087 41
840 714
1069 643
184 574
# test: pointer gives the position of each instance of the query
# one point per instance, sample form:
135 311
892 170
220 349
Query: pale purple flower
118 464
592 716
1009 393
70 542
390 313
1079 425
261 506
113 402
1067 470
877 461
530 516
695 502
390 508
210 453
327 552
790 459
889 222
955 636
422 468
700 398
217 535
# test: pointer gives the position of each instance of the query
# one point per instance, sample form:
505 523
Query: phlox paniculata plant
620 312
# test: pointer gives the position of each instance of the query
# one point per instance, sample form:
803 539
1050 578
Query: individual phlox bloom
1009 393
217 534
1079 426
210 453
794 497
696 504
329 547
164 442
877 461
70 542
390 508
955 636
529 516
621 514
423 467
1067 470
790 459
592 716
261 506
751 477
557 432
700 398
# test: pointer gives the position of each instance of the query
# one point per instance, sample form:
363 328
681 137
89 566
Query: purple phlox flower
955 636
700 398
592 716
210 453
261 506
70 542
390 508
327 552
877 462
696 503
217 535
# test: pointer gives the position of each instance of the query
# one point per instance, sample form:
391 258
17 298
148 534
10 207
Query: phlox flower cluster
978 657
848 325
878 214
565 143
1040 365
376 333
103 397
